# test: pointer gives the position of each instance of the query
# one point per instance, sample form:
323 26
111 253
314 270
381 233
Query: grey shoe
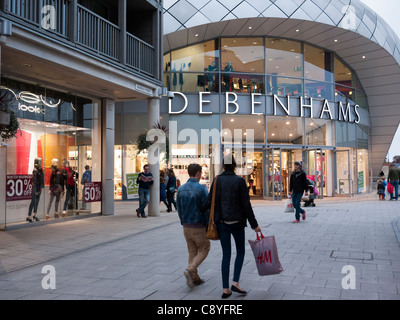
189 279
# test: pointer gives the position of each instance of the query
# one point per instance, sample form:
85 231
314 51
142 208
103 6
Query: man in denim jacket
190 199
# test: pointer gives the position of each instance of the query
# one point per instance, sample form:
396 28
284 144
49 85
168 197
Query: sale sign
92 192
132 188
19 187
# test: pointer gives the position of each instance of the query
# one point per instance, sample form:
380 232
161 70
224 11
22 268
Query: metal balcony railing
84 28
139 54
97 33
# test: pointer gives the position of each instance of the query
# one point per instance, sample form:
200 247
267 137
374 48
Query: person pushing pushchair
313 193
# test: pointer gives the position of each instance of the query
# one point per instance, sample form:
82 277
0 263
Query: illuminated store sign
34 101
344 112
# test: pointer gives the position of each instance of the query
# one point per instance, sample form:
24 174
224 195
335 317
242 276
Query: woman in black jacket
232 210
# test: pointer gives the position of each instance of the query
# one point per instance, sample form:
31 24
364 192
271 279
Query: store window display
59 135
37 186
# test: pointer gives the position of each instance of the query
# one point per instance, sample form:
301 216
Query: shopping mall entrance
279 164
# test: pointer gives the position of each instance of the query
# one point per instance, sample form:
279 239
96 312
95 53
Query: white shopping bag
289 205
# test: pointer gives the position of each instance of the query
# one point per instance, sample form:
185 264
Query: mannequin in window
70 186
86 177
227 76
211 76
56 188
37 186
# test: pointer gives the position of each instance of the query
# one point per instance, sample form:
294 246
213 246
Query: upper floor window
242 55
284 57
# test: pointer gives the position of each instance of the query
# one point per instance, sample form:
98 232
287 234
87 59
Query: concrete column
153 118
108 132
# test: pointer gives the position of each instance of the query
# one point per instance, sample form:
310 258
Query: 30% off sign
19 187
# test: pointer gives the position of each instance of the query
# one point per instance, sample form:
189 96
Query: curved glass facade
262 65
334 150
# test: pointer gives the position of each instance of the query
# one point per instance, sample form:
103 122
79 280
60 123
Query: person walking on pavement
171 189
298 185
393 178
231 212
163 193
145 180
190 199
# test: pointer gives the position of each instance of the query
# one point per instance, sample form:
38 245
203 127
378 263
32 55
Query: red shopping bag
390 188
266 254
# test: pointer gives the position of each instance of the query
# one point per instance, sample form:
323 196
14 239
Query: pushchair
312 194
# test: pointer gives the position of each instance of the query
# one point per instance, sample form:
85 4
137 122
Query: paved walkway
124 257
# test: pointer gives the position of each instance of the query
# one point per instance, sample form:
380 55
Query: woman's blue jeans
237 231
296 199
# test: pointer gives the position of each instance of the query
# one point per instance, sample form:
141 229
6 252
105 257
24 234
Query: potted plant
9 124
142 143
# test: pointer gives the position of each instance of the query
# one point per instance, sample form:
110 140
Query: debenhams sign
259 104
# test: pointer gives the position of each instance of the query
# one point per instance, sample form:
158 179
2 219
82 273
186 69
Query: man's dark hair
146 165
229 163
193 169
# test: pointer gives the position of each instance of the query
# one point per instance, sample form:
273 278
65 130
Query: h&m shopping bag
289 205
266 254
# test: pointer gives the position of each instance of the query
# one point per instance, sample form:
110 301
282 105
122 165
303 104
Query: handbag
212 232
266 254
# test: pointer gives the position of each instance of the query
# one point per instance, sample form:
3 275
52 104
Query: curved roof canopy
348 27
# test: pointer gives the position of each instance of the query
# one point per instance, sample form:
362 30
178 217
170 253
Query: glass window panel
316 131
284 86
284 57
242 55
167 62
242 83
285 130
361 99
194 82
362 136
363 172
199 57
243 123
344 94
343 74
318 90
318 64
167 80
345 134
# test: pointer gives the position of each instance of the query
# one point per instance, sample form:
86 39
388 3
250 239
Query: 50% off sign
19 187
92 191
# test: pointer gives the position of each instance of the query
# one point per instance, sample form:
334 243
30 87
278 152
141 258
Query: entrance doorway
279 164
314 165
250 167
343 185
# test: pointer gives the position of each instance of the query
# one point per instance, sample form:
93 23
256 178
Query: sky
388 10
